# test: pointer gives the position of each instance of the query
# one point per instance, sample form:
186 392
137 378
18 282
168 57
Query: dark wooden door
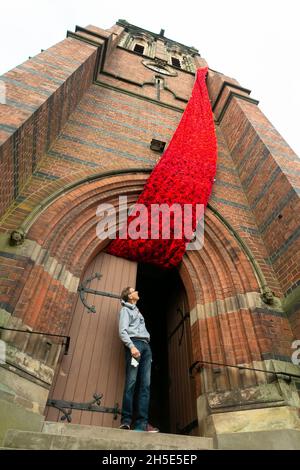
95 362
182 393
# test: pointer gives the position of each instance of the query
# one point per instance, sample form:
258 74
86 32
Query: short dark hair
125 293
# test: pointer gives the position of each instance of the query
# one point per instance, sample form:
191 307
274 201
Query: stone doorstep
15 416
274 439
89 431
11 448
41 441
288 439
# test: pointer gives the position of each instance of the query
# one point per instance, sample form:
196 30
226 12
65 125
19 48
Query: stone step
11 448
42 441
273 439
99 432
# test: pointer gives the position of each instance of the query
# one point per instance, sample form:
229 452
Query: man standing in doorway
138 357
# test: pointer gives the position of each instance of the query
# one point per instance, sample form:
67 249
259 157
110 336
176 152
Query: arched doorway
222 286
164 304
96 364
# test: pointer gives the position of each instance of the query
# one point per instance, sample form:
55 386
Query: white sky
257 42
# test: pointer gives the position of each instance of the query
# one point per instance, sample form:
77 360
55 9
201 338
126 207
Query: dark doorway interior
156 288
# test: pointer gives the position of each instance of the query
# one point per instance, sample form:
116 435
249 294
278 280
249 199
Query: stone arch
220 281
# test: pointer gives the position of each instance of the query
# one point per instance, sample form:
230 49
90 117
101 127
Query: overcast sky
257 42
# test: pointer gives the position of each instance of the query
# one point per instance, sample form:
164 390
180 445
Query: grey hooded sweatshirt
131 324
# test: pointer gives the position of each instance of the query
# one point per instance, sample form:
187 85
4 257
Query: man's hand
135 352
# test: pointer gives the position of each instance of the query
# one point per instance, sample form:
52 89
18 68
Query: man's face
134 295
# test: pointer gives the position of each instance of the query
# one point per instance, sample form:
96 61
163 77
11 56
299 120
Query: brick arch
224 321
64 239
225 326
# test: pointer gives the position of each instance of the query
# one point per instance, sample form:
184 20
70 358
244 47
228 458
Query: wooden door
95 362
182 393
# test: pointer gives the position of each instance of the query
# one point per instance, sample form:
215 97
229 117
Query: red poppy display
184 175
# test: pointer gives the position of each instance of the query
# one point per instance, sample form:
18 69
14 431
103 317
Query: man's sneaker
125 426
150 428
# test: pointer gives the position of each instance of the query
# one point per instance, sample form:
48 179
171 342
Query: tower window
139 49
176 62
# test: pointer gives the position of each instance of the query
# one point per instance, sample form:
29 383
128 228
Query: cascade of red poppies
183 175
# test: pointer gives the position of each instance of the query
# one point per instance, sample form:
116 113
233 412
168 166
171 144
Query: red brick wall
294 319
107 131
40 95
270 173
128 65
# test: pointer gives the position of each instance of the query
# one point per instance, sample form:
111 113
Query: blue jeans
143 373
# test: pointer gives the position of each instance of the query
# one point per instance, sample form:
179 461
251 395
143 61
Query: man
138 357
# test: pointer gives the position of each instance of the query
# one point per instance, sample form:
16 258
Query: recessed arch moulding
228 319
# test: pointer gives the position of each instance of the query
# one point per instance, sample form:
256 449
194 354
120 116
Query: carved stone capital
270 300
17 237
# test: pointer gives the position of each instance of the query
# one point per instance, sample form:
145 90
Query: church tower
83 123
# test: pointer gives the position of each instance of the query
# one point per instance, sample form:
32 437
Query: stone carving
17 238
269 298
160 62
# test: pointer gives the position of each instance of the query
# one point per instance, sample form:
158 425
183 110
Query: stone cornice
246 301
228 101
232 85
141 97
133 28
